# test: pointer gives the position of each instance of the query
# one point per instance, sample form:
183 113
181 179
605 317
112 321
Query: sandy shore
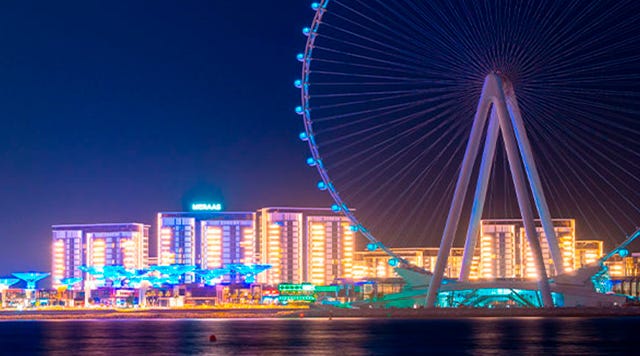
313 313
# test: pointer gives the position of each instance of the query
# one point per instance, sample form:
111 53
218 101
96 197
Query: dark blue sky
112 111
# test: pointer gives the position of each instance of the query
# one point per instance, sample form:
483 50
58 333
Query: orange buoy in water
212 338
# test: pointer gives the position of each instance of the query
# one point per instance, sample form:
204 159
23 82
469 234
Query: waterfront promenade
314 312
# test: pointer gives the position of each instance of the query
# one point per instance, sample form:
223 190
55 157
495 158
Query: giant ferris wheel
389 91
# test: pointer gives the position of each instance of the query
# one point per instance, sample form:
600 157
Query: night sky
113 111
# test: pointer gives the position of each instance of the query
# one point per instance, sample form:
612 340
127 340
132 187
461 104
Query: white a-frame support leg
486 164
493 92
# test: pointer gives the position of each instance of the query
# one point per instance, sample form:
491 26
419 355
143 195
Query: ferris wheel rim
308 135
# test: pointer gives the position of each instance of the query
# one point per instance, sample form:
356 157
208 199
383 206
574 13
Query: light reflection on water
513 336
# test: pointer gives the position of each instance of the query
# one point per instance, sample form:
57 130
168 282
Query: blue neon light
311 161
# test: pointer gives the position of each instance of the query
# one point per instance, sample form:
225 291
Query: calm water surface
505 336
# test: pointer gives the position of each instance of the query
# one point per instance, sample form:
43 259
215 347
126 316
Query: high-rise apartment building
208 240
375 264
304 245
505 251
98 245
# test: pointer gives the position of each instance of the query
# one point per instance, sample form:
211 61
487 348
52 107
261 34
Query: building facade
207 240
588 252
375 264
98 245
304 245
505 250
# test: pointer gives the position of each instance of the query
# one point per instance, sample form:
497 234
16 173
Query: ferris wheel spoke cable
389 90
397 65
366 135
348 124
593 186
589 152
587 214
375 171
359 155
403 60
393 36
415 184
382 189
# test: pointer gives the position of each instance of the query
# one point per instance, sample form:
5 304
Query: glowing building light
273 253
128 253
98 253
248 237
166 255
59 265
317 254
347 251
213 247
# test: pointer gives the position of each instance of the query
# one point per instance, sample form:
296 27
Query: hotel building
98 245
505 251
375 264
206 239
304 245
588 252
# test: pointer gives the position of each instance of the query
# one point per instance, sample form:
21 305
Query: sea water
339 337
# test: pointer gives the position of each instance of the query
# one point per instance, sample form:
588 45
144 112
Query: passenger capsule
393 262
306 31
299 110
315 6
297 83
335 208
303 136
372 246
322 185
300 57
311 161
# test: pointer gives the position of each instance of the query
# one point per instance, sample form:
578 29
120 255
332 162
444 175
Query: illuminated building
588 252
498 250
304 245
207 239
375 264
125 244
505 252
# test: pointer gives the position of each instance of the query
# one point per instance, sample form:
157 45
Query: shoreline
324 313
